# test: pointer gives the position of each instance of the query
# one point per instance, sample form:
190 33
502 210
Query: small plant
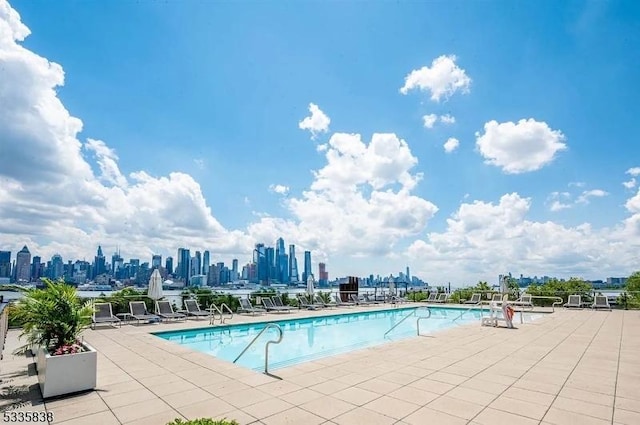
53 317
204 421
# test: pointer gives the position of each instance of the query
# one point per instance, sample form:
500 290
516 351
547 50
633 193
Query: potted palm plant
53 319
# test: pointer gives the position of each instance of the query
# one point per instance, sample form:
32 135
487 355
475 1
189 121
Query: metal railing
266 346
413 313
213 309
478 304
559 301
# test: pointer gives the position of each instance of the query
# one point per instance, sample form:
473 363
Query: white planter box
69 373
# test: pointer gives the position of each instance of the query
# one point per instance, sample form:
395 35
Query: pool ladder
266 347
213 309
413 313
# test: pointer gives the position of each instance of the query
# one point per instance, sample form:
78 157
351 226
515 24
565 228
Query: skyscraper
323 275
234 269
282 263
5 264
260 260
168 264
156 261
23 265
307 266
270 255
57 267
35 268
116 262
206 261
99 264
197 266
293 265
184 264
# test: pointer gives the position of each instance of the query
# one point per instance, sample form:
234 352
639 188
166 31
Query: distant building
23 265
168 264
5 265
293 265
36 268
323 275
57 267
156 261
616 281
206 261
99 263
307 266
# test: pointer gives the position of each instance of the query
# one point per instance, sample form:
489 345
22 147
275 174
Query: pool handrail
478 304
266 346
413 313
220 311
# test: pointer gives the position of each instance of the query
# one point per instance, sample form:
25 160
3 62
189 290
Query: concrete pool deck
569 367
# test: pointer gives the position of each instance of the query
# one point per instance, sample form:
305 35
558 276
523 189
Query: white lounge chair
442 298
433 296
601 301
575 301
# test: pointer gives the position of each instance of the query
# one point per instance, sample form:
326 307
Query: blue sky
216 90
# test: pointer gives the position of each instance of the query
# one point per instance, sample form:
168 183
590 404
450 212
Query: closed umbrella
310 288
504 285
155 286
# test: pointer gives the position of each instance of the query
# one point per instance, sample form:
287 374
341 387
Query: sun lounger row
599 302
103 312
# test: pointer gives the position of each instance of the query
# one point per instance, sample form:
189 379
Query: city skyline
463 156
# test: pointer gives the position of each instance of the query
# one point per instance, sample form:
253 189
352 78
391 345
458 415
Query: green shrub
562 289
203 421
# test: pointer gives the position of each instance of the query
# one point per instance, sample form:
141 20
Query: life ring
509 311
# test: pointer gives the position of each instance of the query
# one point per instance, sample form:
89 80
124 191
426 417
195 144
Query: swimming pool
306 339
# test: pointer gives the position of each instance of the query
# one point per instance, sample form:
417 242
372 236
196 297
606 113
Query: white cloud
576 184
322 147
279 189
54 202
559 206
447 119
633 204
518 148
593 193
451 145
360 202
634 172
490 239
630 184
429 120
442 79
318 122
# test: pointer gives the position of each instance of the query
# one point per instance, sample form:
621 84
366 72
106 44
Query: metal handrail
266 346
553 306
420 318
220 311
479 303
413 313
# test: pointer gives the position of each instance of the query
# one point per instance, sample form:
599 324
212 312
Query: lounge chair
341 303
601 301
524 301
193 309
369 300
442 298
165 310
433 297
247 307
359 299
303 302
277 301
575 301
103 314
270 306
139 312
475 299
318 300
496 298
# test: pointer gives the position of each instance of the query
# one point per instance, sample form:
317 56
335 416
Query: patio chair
247 307
475 299
165 310
525 301
359 299
369 300
601 301
442 298
277 301
303 302
575 301
432 298
341 303
317 300
103 313
270 306
496 298
193 309
139 312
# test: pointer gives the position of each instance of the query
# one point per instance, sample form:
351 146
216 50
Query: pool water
308 339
